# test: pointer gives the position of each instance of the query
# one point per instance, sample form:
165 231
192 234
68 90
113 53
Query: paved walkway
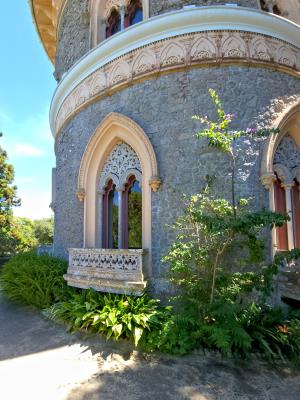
40 361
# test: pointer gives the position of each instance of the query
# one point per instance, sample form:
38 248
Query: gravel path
40 361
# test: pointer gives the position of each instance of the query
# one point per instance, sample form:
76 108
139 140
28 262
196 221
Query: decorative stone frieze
184 51
107 270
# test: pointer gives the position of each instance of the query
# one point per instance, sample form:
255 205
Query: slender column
120 217
289 210
99 219
267 180
102 31
122 14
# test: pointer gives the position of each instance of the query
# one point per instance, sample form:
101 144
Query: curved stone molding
128 57
284 123
115 120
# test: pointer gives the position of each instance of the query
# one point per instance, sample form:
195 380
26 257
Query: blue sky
26 88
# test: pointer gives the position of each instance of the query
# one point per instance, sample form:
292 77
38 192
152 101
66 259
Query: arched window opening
132 215
113 23
296 213
120 223
110 213
134 13
280 207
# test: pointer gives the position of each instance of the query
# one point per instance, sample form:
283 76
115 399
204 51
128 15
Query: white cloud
24 180
26 150
34 205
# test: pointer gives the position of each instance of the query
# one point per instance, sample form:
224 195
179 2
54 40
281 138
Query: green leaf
137 335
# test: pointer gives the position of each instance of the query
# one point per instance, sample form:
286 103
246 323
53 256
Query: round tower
131 74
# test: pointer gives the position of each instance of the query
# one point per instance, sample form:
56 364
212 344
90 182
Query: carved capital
80 195
267 180
288 185
155 183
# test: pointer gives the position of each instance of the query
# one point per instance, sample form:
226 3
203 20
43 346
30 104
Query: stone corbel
155 183
267 180
52 205
80 195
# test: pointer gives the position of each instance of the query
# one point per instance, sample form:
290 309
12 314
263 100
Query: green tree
19 236
8 195
43 230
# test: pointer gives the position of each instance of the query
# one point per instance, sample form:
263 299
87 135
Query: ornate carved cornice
185 51
203 36
46 14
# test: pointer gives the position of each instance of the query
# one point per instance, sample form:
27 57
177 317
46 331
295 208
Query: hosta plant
115 316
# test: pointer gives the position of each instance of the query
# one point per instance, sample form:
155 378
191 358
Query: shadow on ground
40 360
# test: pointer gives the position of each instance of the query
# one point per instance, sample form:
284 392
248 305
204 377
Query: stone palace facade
131 74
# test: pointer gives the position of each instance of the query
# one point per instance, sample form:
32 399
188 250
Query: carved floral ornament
183 51
121 162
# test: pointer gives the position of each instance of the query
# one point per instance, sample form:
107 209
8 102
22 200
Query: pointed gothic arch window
113 24
286 167
121 210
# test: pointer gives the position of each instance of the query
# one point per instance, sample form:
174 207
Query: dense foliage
218 266
8 196
23 234
115 316
34 280
43 230
19 237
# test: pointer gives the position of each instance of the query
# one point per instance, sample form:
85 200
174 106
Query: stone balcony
107 270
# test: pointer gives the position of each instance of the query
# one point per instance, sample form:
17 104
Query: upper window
113 23
123 17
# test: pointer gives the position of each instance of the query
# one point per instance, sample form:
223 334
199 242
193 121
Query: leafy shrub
218 267
34 280
113 315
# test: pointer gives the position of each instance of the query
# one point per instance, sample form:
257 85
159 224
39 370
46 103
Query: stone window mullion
121 217
100 194
289 210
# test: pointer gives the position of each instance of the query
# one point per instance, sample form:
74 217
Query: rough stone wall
73 36
162 6
163 108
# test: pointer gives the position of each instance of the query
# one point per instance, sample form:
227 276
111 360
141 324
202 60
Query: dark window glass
137 16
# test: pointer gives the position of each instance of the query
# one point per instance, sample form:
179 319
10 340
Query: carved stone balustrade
107 270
